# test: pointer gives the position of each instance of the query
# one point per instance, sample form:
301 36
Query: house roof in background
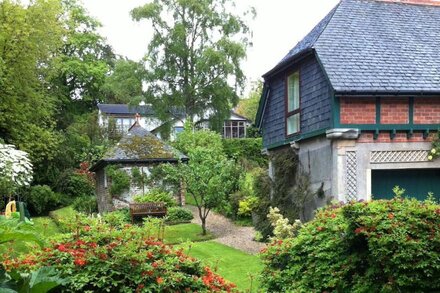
139 146
374 46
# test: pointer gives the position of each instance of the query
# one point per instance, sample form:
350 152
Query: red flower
155 264
61 247
103 256
319 228
390 216
159 280
80 262
87 228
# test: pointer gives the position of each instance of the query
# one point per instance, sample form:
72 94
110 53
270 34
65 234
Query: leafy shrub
379 246
97 258
157 195
245 150
247 205
117 218
41 199
85 204
75 184
179 215
120 180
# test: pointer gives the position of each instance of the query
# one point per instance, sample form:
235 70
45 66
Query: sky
278 26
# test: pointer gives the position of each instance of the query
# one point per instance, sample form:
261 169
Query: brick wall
394 111
426 110
358 110
368 137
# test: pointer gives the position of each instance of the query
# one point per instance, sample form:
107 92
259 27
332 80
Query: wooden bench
157 209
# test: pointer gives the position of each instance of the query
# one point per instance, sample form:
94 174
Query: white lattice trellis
378 157
350 175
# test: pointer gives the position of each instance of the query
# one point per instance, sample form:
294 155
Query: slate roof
139 146
372 46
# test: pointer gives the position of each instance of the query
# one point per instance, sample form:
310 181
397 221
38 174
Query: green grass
232 264
45 227
185 232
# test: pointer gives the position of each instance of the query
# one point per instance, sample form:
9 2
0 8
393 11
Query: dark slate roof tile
366 45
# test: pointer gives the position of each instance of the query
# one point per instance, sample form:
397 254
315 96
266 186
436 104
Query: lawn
234 265
185 232
45 227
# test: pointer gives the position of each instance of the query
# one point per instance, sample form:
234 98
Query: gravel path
226 232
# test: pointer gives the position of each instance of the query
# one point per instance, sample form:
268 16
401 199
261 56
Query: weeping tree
193 59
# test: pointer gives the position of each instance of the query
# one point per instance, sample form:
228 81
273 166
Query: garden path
227 233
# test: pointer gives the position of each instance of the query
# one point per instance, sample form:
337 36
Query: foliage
281 227
15 169
157 195
13 232
41 280
196 49
85 204
75 184
208 176
248 106
119 180
247 205
435 149
139 178
125 82
246 151
289 190
378 246
178 215
30 35
41 199
100 259
117 218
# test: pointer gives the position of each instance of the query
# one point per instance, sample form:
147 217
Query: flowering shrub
281 227
15 169
99 258
379 246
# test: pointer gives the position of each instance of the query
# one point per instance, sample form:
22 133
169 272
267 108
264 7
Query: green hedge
378 246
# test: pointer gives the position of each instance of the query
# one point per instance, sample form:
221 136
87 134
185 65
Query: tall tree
193 60
83 63
30 35
124 84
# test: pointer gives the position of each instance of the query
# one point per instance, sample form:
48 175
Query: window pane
293 124
293 92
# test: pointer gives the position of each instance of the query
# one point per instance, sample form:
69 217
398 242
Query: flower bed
99 258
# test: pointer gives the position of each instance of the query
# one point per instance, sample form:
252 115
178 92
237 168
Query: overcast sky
279 25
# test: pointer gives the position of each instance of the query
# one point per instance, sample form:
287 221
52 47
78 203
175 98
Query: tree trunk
203 226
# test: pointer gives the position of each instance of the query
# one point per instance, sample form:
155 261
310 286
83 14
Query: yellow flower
430 158
433 151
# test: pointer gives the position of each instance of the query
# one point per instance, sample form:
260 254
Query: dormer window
293 109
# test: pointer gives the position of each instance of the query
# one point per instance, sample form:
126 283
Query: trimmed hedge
378 246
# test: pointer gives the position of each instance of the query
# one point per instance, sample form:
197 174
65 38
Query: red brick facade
427 110
368 137
358 110
394 111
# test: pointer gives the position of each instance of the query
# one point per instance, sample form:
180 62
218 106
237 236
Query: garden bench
157 209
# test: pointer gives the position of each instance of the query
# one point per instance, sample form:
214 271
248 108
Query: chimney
414 2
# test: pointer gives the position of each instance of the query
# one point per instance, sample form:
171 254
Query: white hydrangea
15 166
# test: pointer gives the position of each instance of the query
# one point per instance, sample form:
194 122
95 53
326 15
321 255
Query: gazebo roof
139 146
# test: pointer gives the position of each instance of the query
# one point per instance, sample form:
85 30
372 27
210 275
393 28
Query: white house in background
124 117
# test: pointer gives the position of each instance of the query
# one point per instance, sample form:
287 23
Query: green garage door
417 182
